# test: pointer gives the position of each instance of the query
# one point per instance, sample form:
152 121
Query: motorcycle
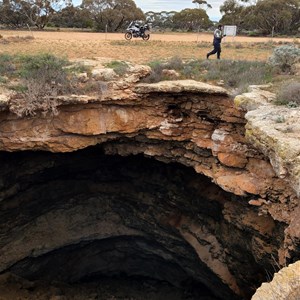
134 30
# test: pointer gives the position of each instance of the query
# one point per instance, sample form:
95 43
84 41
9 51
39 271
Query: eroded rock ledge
196 125
284 286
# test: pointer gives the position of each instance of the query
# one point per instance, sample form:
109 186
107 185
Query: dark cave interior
85 216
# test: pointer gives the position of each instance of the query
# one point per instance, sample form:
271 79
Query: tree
71 16
230 7
18 13
250 2
112 14
11 14
265 16
191 19
277 15
163 19
232 12
202 2
40 12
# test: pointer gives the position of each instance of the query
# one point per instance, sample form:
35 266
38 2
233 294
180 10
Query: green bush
120 67
174 63
284 57
157 67
45 68
156 72
78 68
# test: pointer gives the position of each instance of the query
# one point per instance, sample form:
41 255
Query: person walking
218 35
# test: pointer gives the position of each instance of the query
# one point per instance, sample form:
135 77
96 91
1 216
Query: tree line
260 16
263 16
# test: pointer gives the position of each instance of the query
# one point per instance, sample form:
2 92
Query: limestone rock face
252 168
284 286
180 86
104 74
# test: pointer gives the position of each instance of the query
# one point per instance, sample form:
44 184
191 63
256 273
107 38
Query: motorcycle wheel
128 36
146 37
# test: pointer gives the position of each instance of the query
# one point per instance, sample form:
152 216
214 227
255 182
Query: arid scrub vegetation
38 80
235 75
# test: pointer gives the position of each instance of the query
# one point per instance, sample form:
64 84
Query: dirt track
114 46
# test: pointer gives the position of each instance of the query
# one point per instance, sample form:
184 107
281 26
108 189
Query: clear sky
178 5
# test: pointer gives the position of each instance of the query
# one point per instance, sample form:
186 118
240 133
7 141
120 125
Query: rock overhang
180 86
199 124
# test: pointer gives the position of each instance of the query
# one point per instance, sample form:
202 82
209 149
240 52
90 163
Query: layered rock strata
223 227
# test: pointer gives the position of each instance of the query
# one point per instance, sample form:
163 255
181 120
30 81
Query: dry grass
89 45
15 39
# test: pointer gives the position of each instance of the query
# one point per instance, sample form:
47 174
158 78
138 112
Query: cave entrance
88 218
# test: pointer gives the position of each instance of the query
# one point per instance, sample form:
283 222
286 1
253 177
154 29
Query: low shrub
191 70
284 57
120 67
94 87
156 72
37 98
46 69
78 68
174 63
42 78
7 65
289 95
158 67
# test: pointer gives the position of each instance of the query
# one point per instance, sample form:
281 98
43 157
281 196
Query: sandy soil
113 45
167 37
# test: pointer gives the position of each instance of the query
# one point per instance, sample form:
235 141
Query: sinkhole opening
112 227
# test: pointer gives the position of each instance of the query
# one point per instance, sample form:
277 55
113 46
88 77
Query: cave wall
77 215
235 223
